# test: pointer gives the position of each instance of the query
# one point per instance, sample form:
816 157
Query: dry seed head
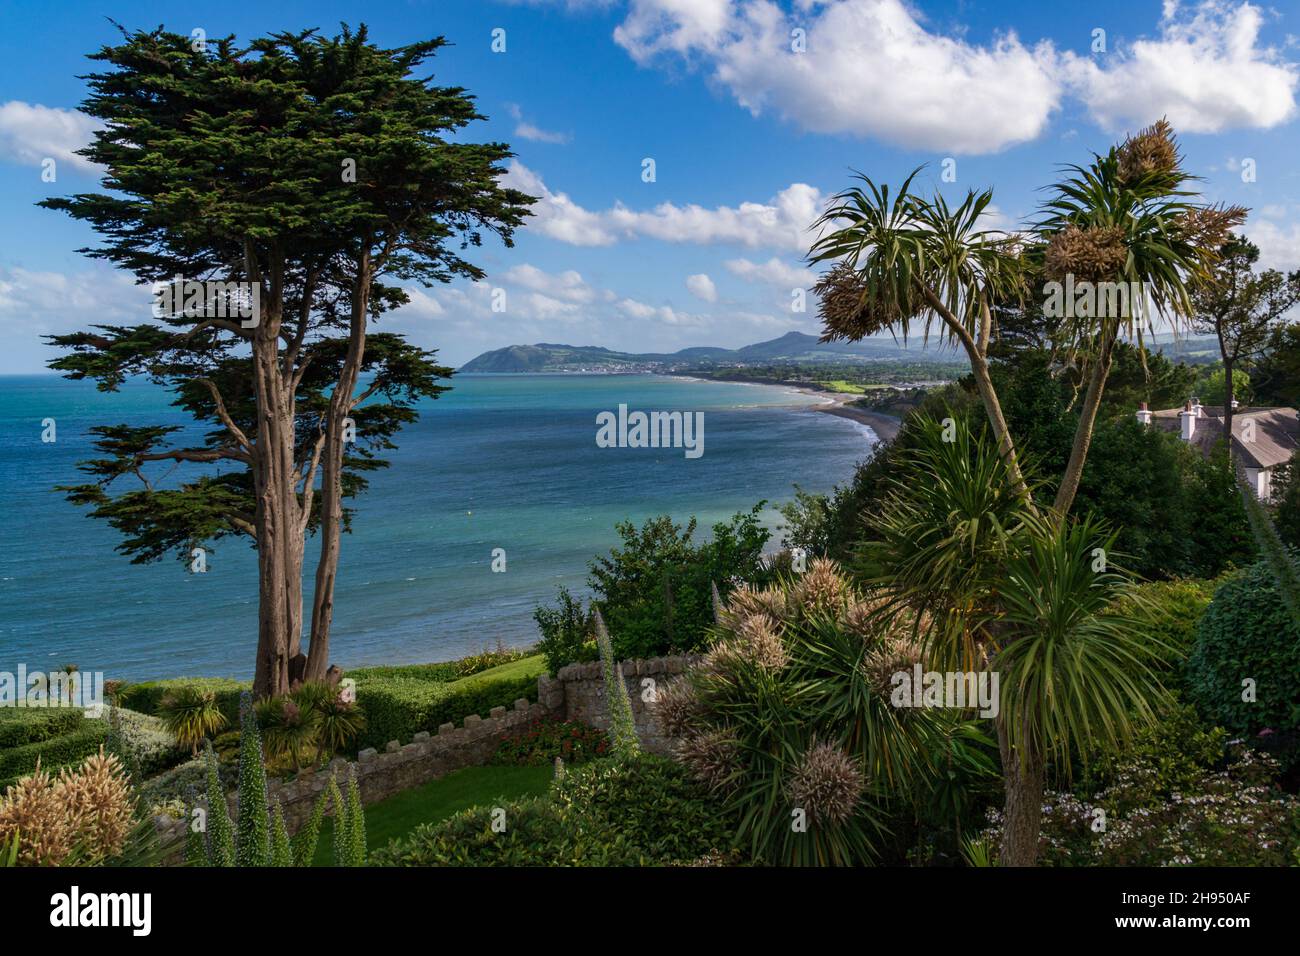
1090 254
827 784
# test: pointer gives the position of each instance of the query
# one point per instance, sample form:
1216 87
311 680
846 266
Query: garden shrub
1236 816
30 725
790 713
398 707
71 748
656 590
541 741
147 697
145 746
644 811
534 836
568 632
1247 632
1173 609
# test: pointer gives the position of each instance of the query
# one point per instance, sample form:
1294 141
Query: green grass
439 799
851 388
524 667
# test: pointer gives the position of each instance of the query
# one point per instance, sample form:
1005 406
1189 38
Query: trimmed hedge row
399 707
59 752
27 725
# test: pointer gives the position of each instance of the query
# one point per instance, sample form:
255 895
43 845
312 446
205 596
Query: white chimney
1144 414
1198 407
1188 416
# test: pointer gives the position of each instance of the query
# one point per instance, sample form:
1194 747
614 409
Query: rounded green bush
1246 632
642 811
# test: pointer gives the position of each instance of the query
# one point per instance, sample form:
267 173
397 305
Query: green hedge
71 748
146 698
1175 609
398 707
1247 632
644 811
29 725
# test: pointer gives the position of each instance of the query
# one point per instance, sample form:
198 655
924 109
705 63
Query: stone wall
576 693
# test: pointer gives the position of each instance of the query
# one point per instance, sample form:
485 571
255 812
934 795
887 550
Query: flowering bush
1168 804
543 740
82 816
1232 817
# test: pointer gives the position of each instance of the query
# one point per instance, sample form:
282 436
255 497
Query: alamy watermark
1092 300
64 688
208 299
651 430
959 689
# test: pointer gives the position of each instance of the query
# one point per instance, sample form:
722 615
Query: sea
506 462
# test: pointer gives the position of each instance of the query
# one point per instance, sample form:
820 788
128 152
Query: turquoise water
501 461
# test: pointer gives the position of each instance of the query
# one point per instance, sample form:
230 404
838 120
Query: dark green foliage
1248 633
655 590
399 707
252 829
63 751
1172 610
220 831
641 812
31 725
1276 375
543 740
305 840
568 635
281 854
147 697
1175 512
1169 800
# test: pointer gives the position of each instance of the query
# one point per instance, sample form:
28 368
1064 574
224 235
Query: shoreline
886 427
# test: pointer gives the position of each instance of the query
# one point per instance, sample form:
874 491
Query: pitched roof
1276 432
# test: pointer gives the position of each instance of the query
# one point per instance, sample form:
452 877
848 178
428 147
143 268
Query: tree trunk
1022 811
275 524
331 490
1087 420
279 542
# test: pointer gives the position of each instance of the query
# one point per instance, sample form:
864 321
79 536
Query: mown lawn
439 799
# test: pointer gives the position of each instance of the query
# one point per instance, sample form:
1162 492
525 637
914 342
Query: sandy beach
885 426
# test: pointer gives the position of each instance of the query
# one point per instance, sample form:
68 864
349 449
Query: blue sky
749 136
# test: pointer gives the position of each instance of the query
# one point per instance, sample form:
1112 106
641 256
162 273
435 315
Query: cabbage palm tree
1126 218
904 261
1007 590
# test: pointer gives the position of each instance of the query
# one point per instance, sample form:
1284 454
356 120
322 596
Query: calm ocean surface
505 461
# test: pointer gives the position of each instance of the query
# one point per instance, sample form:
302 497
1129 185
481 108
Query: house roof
1275 438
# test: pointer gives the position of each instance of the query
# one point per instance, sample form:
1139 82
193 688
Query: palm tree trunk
1065 494
1022 810
984 385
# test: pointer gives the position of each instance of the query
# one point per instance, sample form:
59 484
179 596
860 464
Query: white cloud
869 68
659 313
783 222
567 286
772 272
702 287
526 130
556 215
30 132
1206 72
1279 243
